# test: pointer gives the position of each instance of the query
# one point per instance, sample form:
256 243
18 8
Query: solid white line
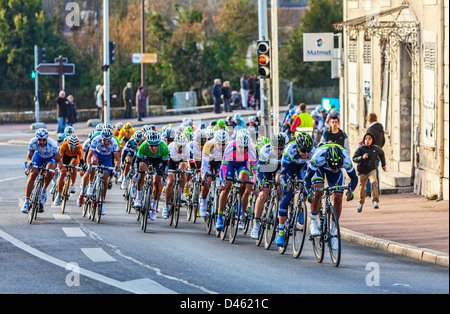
10 179
112 282
97 255
73 232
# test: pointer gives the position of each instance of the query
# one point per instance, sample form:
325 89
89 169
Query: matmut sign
318 46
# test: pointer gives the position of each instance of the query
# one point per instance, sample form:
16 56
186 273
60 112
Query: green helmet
262 140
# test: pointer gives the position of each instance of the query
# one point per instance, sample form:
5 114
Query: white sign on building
318 46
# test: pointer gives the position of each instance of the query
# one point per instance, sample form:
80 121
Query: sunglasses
106 140
153 146
41 140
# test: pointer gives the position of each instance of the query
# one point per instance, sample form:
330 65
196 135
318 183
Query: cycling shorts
157 164
40 161
104 160
238 167
66 160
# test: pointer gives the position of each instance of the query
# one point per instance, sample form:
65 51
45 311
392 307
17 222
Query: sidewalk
405 224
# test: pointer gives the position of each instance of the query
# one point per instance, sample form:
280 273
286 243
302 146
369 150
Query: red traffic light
263 60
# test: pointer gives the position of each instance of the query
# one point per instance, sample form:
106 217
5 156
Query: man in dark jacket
217 93
375 128
366 156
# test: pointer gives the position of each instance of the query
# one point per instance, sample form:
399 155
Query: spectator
226 93
99 100
251 91
335 135
257 94
303 122
366 157
216 93
61 111
140 103
128 99
71 111
375 128
244 91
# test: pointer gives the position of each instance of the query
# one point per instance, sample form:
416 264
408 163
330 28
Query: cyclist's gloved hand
57 170
350 195
309 198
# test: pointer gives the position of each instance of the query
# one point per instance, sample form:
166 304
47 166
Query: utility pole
264 83
106 92
274 71
36 85
143 51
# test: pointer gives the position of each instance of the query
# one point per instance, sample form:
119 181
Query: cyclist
42 151
153 152
126 133
269 165
327 162
101 151
169 135
128 154
179 156
296 158
119 126
212 155
220 125
71 153
240 157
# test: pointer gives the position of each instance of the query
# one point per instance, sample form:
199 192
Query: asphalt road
71 254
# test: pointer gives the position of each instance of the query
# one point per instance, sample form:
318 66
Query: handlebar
332 188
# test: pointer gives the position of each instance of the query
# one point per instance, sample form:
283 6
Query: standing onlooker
99 101
226 93
140 103
128 99
244 91
61 111
251 91
216 93
375 128
303 122
257 93
335 135
366 156
71 111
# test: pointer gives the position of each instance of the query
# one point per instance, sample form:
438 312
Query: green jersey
145 152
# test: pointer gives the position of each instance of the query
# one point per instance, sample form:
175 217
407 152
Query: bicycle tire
209 213
335 254
234 218
65 193
195 202
147 204
189 202
129 203
35 202
85 207
177 208
172 205
299 229
262 227
318 242
226 217
287 230
99 202
272 223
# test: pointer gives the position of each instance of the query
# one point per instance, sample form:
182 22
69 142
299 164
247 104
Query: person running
155 153
42 151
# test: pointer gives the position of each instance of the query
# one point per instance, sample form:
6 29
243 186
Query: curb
425 255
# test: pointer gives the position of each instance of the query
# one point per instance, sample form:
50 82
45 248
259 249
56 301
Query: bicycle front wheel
234 218
272 223
100 202
146 211
34 203
177 207
318 241
299 229
334 237
65 195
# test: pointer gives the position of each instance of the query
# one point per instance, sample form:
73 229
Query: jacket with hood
376 129
375 152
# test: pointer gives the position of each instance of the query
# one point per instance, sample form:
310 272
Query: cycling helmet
251 119
202 126
237 116
91 134
61 138
69 130
146 128
242 139
200 137
220 123
107 133
221 136
138 136
278 140
119 126
99 127
334 157
262 140
73 142
188 133
153 127
180 139
41 134
187 122
304 142
169 133
259 114
127 126
108 126
210 133
153 137
230 119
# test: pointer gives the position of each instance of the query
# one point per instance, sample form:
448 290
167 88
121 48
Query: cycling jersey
196 152
292 163
210 155
177 157
122 134
145 152
98 147
48 151
232 161
68 154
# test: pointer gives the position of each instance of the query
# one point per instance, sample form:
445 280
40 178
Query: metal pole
143 50
36 85
106 92
264 99
274 71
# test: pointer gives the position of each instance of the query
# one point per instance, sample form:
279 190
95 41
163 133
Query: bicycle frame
35 199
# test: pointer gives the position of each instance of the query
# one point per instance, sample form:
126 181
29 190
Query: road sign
144 58
54 69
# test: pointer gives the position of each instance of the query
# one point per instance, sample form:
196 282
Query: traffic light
42 55
33 74
112 53
263 53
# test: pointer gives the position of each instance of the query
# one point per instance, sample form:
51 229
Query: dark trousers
217 105
226 104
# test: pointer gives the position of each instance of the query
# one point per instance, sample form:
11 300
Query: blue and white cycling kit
43 155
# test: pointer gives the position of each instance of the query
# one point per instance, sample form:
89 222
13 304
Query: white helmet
153 137
243 139
180 139
221 136
138 136
41 134
69 130
107 133
73 142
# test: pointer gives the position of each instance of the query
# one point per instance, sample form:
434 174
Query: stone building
396 64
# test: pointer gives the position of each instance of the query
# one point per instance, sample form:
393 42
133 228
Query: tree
318 18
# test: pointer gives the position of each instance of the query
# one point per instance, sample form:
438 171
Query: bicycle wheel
248 215
34 202
234 218
99 202
65 194
129 199
272 223
146 209
226 217
209 213
317 241
177 207
334 237
195 202
299 229
86 206
189 202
